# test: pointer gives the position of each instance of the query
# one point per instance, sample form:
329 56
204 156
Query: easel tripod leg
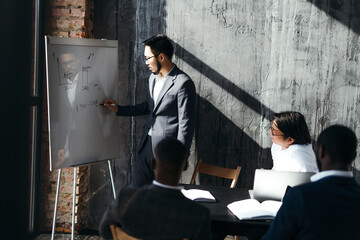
73 206
112 179
56 204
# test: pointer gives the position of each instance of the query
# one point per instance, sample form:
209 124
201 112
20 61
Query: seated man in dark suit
159 211
329 206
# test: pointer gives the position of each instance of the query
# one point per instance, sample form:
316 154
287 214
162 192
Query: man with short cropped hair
159 211
329 206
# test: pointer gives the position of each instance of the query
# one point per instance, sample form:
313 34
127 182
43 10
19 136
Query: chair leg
238 238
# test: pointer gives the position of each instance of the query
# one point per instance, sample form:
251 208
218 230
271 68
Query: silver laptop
272 185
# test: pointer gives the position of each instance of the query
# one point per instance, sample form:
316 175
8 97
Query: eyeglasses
272 131
148 58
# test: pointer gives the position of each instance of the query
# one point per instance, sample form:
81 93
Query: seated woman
291 149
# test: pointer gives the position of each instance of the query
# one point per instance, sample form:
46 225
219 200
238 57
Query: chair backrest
119 234
217 171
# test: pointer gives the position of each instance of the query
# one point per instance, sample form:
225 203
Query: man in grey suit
170 105
159 211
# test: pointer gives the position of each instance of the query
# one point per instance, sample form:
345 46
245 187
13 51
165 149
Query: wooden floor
68 236
86 237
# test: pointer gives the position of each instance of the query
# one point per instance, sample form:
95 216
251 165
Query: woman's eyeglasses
273 132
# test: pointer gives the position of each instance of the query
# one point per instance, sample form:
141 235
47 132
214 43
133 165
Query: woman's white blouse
295 158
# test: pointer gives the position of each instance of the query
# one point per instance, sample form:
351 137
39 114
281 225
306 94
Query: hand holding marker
111 104
103 104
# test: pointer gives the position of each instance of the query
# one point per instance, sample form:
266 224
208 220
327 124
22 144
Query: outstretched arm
137 110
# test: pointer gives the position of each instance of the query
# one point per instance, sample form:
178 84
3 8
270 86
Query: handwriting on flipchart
82 106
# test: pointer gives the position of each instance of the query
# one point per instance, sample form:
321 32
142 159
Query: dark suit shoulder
195 205
162 212
341 188
174 195
128 190
125 193
331 181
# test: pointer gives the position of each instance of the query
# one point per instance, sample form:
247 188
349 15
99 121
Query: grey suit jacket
173 115
153 212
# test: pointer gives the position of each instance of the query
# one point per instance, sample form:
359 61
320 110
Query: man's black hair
160 44
170 151
339 142
293 125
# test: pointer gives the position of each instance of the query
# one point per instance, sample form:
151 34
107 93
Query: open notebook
198 195
272 185
253 209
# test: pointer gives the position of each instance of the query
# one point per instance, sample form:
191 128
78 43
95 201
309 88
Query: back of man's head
160 44
170 155
340 143
170 152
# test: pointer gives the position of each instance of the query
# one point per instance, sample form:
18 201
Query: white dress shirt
330 173
158 85
167 186
295 158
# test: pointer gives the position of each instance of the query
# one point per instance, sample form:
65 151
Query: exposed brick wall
70 18
67 18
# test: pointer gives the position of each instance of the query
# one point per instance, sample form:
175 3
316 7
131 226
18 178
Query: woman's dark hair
293 125
160 44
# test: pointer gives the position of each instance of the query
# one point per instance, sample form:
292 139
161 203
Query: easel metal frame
74 199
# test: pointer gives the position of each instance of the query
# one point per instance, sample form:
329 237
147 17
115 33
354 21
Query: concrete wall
251 58
248 59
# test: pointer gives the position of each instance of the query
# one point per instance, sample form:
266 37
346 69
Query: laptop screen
272 185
